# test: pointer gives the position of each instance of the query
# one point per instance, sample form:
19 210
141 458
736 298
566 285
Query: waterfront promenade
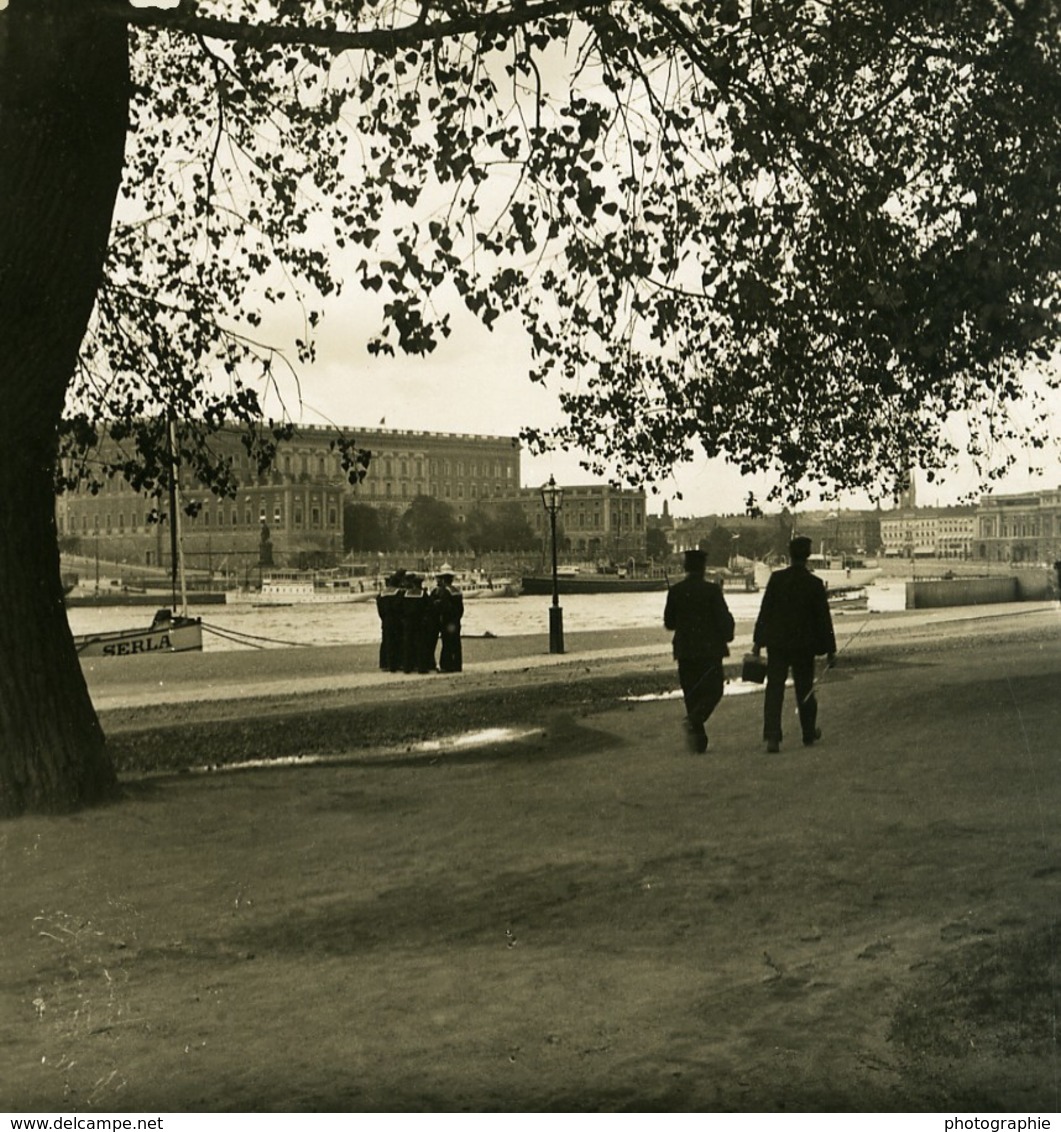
286 674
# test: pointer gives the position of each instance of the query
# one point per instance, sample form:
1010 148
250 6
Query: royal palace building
293 514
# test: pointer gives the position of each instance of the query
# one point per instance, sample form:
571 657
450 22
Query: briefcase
753 670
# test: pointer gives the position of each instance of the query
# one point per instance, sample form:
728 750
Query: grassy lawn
588 918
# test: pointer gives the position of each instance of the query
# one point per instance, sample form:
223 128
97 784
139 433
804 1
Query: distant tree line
432 523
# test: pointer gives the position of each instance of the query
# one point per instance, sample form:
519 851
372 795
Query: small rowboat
165 634
845 599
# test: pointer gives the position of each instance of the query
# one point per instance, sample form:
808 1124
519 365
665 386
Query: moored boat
587 583
845 599
842 571
166 634
301 587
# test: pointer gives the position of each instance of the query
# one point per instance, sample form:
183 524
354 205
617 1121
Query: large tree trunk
64 90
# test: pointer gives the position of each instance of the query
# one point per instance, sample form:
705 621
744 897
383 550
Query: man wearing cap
697 614
449 606
389 608
417 621
795 626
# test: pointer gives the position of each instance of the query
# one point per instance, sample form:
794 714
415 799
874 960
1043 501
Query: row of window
330 466
581 519
415 466
312 516
1019 528
407 490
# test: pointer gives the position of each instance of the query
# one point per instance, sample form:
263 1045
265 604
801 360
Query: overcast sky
476 382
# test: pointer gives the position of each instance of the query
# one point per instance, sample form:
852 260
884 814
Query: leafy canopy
795 233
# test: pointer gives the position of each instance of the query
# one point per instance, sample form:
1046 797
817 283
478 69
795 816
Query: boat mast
176 548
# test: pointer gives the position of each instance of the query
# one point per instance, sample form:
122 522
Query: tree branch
185 19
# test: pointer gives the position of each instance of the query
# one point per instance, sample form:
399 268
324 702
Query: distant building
460 469
292 515
596 522
1024 527
928 532
843 532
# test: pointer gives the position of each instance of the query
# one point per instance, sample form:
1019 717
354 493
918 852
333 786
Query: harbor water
248 626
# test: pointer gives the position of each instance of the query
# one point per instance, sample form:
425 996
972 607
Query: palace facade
292 515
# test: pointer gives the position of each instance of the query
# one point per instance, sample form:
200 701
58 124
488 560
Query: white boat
304 587
847 599
834 572
473 585
842 571
166 633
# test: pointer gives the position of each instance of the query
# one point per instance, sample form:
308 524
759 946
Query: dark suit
389 608
449 609
419 632
795 626
702 624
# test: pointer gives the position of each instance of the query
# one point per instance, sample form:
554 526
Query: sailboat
168 632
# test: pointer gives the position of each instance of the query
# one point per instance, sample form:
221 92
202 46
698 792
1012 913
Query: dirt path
585 919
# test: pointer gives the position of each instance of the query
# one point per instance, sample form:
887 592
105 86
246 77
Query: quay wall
1027 585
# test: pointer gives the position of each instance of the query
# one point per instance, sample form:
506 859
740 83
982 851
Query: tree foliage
368 529
429 524
800 235
498 527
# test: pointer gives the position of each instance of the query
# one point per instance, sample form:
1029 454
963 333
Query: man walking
702 624
795 625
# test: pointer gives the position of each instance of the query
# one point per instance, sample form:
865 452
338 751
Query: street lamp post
552 499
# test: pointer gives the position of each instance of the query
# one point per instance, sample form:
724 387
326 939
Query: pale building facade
596 522
298 504
928 532
1024 527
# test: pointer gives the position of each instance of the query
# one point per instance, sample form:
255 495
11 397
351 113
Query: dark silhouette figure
449 609
389 608
703 626
795 626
